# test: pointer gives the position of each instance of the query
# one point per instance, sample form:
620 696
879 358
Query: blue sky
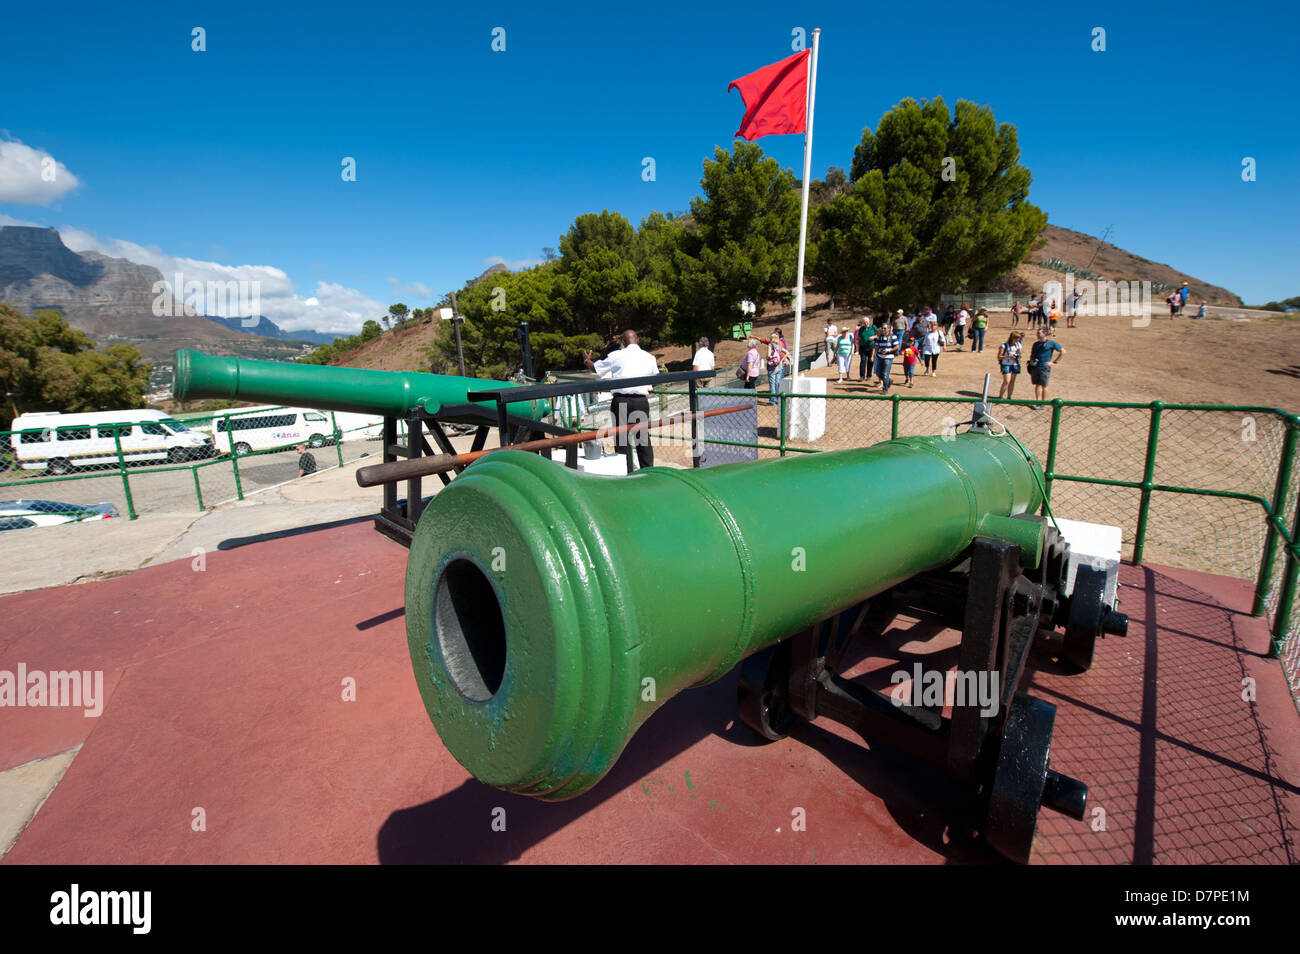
231 157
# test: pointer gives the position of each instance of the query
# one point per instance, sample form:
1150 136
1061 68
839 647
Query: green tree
741 243
399 313
1286 304
615 277
46 365
821 191
492 310
599 273
939 202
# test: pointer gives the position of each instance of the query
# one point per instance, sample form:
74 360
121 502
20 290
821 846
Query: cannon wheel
761 694
1020 778
1087 606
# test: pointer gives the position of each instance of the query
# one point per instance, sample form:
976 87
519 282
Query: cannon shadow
455 828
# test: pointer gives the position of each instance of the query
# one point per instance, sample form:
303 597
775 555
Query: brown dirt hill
1110 262
402 349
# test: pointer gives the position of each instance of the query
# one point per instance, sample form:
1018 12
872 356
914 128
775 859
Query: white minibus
264 428
59 442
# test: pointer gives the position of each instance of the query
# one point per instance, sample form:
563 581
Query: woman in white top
931 348
832 342
1009 362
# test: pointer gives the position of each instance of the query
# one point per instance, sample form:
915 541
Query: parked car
21 514
59 442
270 428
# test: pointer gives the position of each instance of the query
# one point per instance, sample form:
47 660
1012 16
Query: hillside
111 299
403 348
1108 261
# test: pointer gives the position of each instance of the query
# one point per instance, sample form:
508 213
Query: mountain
261 325
496 269
112 300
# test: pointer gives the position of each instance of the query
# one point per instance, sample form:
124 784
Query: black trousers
633 409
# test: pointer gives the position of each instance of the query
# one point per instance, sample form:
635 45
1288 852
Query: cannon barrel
549 612
390 393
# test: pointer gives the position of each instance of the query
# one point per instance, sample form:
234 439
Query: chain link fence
1199 487
52 471
1000 301
1206 488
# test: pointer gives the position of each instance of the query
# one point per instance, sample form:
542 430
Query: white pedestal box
805 419
1095 545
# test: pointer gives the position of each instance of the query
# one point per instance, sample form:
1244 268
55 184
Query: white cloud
414 289
32 176
333 308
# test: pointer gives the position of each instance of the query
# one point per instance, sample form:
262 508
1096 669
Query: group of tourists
918 338
912 340
1042 313
1177 301
753 364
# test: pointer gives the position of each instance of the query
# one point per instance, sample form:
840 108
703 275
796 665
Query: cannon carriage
549 613
542 604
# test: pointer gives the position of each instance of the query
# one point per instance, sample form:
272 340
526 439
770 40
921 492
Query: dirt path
1186 361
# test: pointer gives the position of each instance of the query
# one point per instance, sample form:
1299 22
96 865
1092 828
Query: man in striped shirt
888 343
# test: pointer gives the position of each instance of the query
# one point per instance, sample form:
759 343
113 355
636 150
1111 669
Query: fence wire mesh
1200 455
90 471
58 472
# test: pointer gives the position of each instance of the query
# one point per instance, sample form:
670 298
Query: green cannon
426 406
389 393
550 613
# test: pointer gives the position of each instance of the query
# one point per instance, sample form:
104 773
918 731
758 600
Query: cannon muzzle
390 393
550 612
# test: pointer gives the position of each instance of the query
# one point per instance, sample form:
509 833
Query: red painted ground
225 694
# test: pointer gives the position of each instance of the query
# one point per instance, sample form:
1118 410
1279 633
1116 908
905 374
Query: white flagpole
803 209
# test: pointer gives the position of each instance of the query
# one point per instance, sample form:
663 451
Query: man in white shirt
704 359
832 333
630 405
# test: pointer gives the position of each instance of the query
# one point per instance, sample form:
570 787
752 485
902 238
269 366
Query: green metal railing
1263 477
16 482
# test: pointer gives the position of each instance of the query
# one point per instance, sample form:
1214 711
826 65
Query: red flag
776 98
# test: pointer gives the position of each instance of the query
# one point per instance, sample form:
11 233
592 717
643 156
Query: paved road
159 490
